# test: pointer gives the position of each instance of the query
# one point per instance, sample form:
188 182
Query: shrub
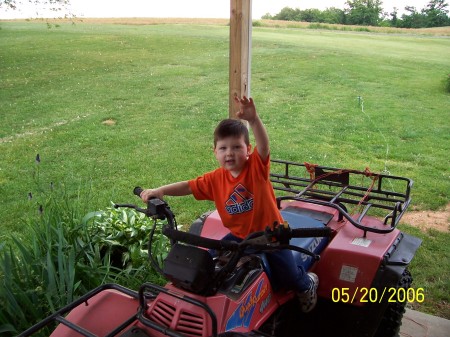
47 269
447 83
123 234
65 255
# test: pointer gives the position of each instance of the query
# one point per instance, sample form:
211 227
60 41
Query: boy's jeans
285 273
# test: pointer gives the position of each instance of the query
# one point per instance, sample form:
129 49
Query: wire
361 104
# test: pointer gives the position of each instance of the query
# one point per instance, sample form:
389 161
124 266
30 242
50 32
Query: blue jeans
285 273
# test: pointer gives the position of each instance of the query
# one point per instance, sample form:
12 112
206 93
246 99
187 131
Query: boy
243 194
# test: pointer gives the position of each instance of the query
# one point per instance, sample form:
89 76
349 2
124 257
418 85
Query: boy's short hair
231 128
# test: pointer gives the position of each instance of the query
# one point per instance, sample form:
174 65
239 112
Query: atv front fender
396 259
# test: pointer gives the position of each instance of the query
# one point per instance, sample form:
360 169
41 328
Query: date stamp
374 295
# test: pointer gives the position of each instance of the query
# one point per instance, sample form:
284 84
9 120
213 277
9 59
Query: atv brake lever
142 210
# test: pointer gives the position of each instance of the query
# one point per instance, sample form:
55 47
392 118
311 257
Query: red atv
346 217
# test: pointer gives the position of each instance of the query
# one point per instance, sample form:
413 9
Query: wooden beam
240 50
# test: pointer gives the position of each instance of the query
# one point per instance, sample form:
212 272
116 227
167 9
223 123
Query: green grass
428 274
166 87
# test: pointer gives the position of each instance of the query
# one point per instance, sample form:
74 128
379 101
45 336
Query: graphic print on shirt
240 201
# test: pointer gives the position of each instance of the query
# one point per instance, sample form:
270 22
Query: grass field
110 106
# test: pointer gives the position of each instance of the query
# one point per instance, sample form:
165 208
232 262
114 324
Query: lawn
111 106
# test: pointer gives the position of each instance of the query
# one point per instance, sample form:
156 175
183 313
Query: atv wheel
392 318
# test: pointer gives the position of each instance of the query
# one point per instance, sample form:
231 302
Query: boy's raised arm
247 111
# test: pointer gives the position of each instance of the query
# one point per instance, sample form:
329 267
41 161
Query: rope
310 168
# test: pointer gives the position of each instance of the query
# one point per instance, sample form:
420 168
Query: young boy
243 194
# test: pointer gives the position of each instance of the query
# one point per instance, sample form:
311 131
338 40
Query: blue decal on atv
243 314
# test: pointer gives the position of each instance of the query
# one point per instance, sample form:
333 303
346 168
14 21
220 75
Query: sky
189 8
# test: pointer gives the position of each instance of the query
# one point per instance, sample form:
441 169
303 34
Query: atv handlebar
137 191
159 209
271 239
196 240
262 241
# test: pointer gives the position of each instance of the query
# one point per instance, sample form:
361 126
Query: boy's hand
151 193
247 109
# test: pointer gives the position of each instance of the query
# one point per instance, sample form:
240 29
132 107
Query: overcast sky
191 8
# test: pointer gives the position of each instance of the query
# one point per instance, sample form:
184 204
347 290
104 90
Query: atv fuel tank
298 218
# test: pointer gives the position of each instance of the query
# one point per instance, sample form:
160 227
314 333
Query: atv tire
392 317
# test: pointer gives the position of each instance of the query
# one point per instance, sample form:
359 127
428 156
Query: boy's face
232 153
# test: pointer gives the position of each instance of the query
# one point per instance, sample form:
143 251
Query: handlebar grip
196 240
310 232
137 191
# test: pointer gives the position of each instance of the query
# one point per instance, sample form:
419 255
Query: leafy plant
123 234
62 258
447 83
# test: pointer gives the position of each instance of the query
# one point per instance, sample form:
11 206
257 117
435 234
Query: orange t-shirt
247 203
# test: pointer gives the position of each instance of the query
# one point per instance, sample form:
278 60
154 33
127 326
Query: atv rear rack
345 190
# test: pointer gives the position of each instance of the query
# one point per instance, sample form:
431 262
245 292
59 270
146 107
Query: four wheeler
339 223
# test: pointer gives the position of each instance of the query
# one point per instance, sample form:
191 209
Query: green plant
62 258
123 234
447 83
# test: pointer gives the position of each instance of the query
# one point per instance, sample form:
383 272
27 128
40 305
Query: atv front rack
59 316
127 328
355 194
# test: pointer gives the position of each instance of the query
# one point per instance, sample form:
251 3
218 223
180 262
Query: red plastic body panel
350 260
244 314
102 313
213 227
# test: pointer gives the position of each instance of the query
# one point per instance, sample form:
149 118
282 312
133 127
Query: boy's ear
249 148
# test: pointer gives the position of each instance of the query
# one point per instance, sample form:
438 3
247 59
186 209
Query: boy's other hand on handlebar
176 189
151 193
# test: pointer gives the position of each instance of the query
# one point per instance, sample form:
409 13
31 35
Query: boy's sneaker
308 298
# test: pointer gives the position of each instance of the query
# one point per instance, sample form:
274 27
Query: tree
311 15
436 13
364 12
414 19
288 14
370 12
60 6
334 15
394 17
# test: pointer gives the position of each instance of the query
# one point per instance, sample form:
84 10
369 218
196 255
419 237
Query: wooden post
240 50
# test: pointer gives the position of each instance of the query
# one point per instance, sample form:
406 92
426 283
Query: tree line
371 13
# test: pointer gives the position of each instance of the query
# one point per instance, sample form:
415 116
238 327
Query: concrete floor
417 324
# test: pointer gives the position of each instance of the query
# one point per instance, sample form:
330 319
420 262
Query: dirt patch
49 128
109 122
438 220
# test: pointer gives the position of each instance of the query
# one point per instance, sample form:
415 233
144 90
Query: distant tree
61 6
364 12
412 19
267 16
311 15
436 13
370 12
394 17
334 15
288 14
